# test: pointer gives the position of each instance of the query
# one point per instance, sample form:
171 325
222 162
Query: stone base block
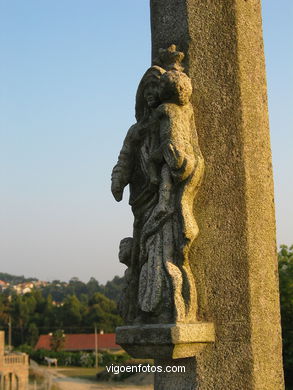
164 341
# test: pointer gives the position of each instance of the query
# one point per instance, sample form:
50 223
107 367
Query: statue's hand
117 190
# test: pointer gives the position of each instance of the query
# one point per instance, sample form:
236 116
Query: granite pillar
234 257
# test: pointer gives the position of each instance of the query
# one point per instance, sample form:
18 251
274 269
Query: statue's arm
121 172
177 151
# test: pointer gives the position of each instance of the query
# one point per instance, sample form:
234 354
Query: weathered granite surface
177 374
234 257
165 340
162 163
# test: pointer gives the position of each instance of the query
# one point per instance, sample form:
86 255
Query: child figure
176 164
175 91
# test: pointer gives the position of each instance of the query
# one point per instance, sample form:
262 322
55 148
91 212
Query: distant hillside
59 290
13 279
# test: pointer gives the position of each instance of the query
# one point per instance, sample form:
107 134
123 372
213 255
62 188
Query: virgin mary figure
162 163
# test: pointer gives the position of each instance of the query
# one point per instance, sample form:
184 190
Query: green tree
286 298
113 288
57 340
76 287
103 312
72 311
93 286
4 310
20 312
32 334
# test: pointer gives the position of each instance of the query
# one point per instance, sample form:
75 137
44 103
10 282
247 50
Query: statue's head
125 249
147 95
175 87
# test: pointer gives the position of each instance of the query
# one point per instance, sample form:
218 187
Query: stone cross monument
201 287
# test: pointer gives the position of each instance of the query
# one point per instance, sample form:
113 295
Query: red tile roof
81 342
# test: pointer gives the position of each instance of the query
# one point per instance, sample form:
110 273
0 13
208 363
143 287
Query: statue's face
151 94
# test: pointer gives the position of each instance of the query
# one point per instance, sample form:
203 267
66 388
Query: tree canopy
286 297
75 309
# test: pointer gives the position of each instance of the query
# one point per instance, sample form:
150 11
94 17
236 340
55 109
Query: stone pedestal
176 374
165 341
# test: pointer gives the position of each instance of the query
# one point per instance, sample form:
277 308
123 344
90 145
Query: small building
82 342
13 368
3 285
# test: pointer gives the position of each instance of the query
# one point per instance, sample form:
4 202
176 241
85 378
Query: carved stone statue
163 165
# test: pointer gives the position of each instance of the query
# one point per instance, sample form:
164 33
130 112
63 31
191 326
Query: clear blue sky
68 73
